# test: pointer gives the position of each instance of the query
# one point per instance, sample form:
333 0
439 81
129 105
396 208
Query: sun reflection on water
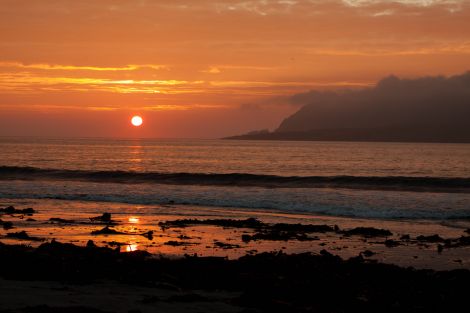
132 247
134 220
135 157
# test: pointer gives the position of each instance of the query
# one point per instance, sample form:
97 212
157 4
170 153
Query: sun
137 120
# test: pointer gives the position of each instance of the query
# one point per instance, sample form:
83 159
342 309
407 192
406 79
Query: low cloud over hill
422 109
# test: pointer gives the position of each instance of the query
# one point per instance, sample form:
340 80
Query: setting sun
136 120
319 149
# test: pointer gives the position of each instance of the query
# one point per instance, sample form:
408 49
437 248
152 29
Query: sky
207 69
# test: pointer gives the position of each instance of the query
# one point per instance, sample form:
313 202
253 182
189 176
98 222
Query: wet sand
59 277
69 256
69 222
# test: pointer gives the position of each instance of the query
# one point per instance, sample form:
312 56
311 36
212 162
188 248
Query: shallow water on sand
135 220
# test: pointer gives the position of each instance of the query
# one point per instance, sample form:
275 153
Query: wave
332 202
436 184
374 204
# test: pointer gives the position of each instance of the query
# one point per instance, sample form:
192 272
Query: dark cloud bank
428 109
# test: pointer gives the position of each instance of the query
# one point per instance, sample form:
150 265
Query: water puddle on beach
136 227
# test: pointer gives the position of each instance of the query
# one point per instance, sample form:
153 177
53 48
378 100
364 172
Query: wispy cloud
418 3
183 107
43 66
217 69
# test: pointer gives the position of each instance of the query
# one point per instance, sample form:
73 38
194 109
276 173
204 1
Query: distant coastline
454 135
427 109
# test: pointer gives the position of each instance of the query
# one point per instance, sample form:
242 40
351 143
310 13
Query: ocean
409 189
347 179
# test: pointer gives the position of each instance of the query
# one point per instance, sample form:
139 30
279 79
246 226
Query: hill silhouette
427 109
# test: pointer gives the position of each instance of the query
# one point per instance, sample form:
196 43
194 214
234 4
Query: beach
267 263
57 220
85 234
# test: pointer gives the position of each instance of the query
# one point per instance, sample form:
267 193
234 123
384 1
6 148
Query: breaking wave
402 183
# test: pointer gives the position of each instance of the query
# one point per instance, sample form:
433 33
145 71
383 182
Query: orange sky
200 68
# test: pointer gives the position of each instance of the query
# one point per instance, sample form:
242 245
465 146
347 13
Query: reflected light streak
132 247
134 220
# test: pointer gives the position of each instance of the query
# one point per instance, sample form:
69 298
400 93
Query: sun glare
134 220
131 247
136 120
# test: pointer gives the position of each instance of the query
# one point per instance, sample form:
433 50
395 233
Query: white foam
337 202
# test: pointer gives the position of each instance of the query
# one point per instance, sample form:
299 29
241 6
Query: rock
6 224
61 220
109 231
106 217
265 282
23 236
246 238
222 245
246 223
463 241
12 210
177 243
116 243
368 232
357 259
28 211
432 238
187 298
325 253
390 243
53 309
278 236
106 231
301 228
148 235
367 253
8 210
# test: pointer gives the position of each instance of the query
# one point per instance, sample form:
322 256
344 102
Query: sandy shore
409 243
59 277
109 296
75 257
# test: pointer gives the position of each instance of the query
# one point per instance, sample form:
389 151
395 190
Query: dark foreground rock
368 232
109 231
267 282
432 238
48 309
264 231
22 235
13 210
6 224
277 236
245 223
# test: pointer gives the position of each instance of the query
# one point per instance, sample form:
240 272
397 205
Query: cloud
393 103
212 70
417 3
43 66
